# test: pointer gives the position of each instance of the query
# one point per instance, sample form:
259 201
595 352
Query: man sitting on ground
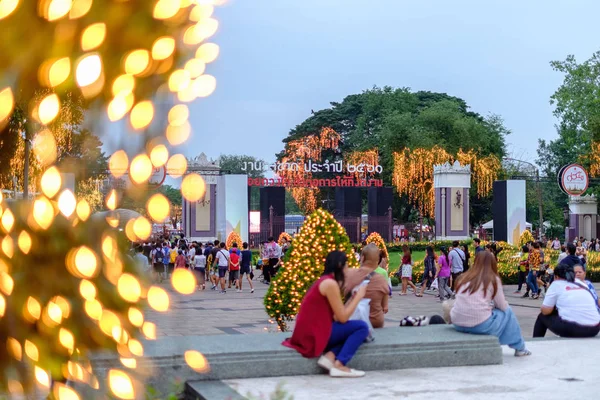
377 290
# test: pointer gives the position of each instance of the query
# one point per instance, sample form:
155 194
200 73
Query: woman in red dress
317 332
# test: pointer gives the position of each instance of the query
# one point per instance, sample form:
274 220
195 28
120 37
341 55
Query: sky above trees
281 59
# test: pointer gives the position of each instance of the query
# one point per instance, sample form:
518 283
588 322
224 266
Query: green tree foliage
391 119
304 264
233 164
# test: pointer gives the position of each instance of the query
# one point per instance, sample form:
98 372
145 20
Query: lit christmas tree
376 239
233 237
286 236
304 263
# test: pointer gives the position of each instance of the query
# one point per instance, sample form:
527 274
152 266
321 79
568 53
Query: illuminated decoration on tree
413 173
376 239
300 151
369 157
118 57
304 264
526 237
594 158
286 236
232 238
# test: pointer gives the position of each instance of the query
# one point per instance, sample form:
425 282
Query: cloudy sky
281 58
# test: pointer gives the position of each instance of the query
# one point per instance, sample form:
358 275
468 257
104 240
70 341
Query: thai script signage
314 167
573 179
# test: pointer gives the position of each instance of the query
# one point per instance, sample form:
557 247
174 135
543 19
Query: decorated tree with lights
526 237
376 239
304 263
286 236
232 238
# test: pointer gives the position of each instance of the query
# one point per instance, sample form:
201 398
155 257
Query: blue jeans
532 282
346 338
503 325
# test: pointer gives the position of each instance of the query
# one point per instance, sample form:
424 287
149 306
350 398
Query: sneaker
525 295
238 291
214 287
353 373
252 291
522 353
222 291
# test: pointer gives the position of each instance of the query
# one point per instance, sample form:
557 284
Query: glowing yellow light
178 134
57 72
193 187
42 377
66 339
129 288
195 67
48 109
137 61
89 70
135 347
63 392
93 309
142 228
3 307
204 85
135 317
93 36
14 348
80 8
7 7
32 351
196 361
186 95
120 383
158 299
63 304
158 207
183 281
149 330
179 80
111 200
58 9
201 11
163 48
86 262
142 114
8 220
108 321
51 182
67 203
83 209
34 308
6 283
8 246
120 106
206 27
128 362
140 169
165 9
118 163
87 290
208 52
24 242
123 84
109 248
159 155
44 147
178 115
7 103
54 312
43 212
120 335
177 165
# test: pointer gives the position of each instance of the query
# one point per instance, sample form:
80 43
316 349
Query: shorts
222 271
234 275
406 271
159 267
245 270
200 274
171 268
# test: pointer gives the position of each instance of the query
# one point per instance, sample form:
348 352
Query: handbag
434 284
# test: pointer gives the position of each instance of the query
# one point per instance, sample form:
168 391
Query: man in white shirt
556 244
191 255
457 258
273 253
222 257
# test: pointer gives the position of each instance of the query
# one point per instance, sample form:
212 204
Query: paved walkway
557 369
211 313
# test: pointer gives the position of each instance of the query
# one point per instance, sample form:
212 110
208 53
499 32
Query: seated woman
580 274
569 308
316 330
481 308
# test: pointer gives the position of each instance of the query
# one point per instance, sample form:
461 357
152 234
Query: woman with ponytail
569 308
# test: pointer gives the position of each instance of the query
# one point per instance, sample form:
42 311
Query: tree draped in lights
304 263
67 286
232 238
376 239
284 235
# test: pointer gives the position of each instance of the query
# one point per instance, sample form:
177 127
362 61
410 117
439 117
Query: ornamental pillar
451 183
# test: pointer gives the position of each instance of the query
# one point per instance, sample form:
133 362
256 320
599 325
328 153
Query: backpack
464 260
158 256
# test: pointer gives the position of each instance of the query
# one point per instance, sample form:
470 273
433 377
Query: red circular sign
159 174
573 179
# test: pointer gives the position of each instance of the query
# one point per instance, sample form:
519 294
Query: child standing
407 271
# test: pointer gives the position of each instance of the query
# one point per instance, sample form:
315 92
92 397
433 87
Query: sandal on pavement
338 373
418 294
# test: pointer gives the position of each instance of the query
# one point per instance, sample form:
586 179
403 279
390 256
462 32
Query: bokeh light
51 182
67 203
183 281
193 187
48 109
158 207
89 70
158 299
142 114
120 384
196 361
44 147
129 288
93 36
208 52
118 163
163 48
177 165
140 169
159 155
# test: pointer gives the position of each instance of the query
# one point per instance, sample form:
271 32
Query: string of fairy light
119 57
319 235
413 173
232 238
284 235
377 240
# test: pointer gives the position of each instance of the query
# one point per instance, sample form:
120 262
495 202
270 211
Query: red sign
338 181
159 174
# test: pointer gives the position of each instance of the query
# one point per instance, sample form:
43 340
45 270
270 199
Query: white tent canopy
490 225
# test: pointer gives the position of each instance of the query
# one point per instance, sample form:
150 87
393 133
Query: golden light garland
594 159
376 239
413 173
286 236
304 263
369 157
232 238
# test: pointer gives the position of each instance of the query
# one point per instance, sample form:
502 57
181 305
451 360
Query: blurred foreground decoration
67 286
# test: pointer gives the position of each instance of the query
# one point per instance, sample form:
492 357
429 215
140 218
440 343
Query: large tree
392 119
